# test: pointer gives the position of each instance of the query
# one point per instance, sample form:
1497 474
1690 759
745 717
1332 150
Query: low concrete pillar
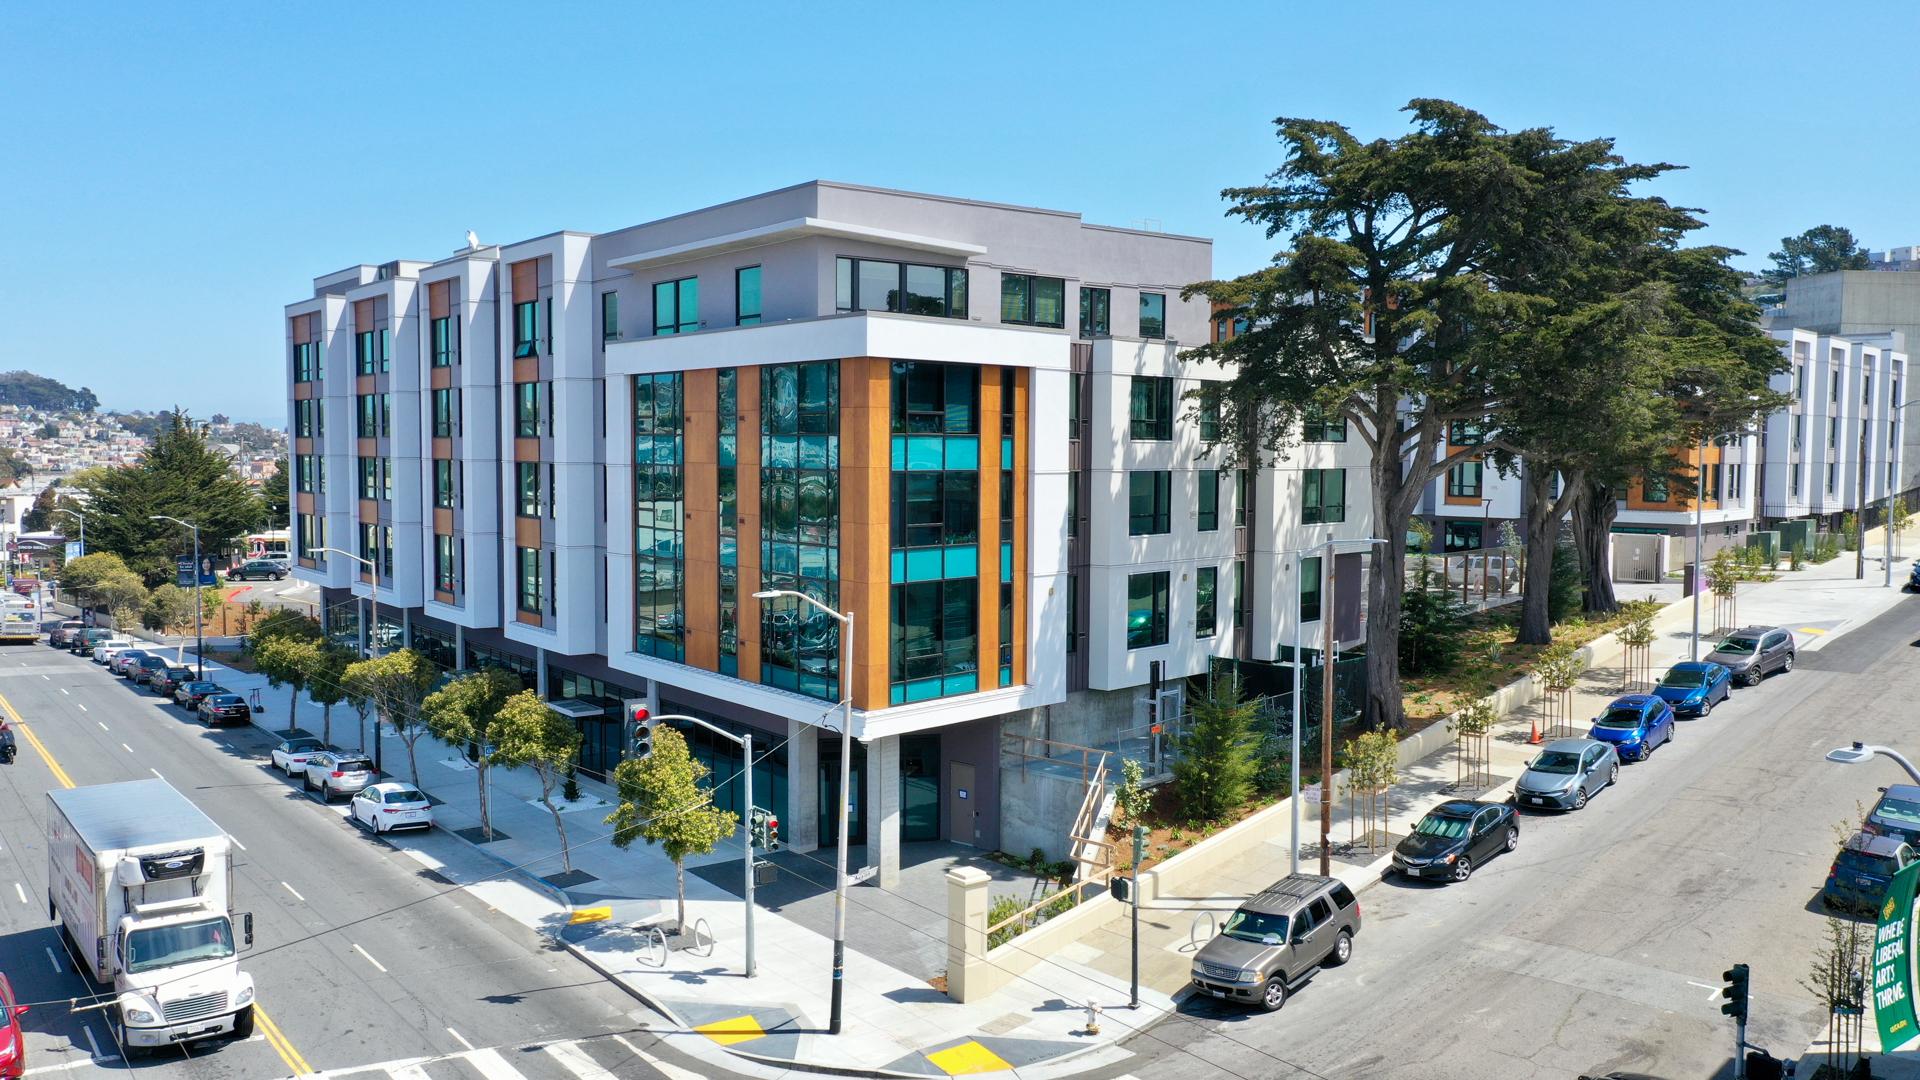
883 810
967 934
802 823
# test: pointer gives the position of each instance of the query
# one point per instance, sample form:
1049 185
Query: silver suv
1277 938
333 773
1752 653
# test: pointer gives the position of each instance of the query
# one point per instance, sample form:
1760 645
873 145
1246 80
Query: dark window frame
1158 519
847 296
1315 507
1157 584
1207 512
1206 601
1022 289
1458 486
1150 419
1096 312
609 316
1159 331
682 321
741 316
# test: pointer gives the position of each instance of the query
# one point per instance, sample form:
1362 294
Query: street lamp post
82 519
1861 753
1299 676
199 636
373 639
846 778
1699 541
745 743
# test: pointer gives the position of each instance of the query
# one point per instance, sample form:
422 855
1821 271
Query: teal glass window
1150 408
800 524
1209 509
1153 315
1095 312
366 350
532 588
1147 609
1323 499
933 632
1463 481
728 407
1310 589
444 576
609 316
1210 413
443 414
1033 301
746 296
528 488
659 511
1149 502
676 306
444 488
526 328
527 409
306 361
1206 588
1317 427
443 342
875 285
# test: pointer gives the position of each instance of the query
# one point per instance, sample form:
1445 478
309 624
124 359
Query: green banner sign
1893 963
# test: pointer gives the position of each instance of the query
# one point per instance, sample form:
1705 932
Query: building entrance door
919 787
963 818
830 794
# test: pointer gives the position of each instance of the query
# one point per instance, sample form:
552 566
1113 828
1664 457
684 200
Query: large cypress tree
181 475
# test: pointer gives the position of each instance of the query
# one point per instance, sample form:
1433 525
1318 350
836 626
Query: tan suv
1277 938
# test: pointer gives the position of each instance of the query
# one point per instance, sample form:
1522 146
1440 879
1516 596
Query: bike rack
701 932
1194 940
654 938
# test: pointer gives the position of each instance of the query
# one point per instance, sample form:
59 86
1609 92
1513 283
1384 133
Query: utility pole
1328 609
1139 852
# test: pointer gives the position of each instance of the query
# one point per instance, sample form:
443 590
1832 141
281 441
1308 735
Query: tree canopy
39 392
1819 250
180 475
526 732
663 802
462 714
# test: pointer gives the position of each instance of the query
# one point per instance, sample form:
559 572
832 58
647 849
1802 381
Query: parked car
121 663
192 692
1276 938
338 772
144 669
388 806
63 631
1635 724
1913 576
1858 879
13 1045
1566 773
1455 837
107 648
223 709
293 750
83 643
254 569
1751 653
170 680
1896 814
1694 687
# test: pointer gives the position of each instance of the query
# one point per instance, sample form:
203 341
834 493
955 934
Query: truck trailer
142 883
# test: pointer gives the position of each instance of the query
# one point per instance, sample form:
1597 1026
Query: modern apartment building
967 425
1843 435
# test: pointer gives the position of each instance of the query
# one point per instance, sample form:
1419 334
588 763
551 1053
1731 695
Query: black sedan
224 709
191 693
1455 837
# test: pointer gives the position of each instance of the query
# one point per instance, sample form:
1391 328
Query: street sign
1893 962
74 550
183 571
1311 793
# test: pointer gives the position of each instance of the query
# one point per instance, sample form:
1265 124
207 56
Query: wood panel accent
440 378
304 390
302 446
363 316
529 618
440 300
988 616
300 328
526 532
865 483
746 389
1022 528
442 521
365 448
444 597
526 449
442 449
526 368
369 511
700 391
303 502
366 384
526 281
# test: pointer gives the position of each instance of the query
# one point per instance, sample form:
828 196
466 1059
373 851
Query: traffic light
1735 992
642 722
764 829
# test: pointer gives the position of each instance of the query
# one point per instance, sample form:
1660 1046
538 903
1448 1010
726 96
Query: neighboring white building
1847 391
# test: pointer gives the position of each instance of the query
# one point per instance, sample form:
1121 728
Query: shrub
1003 908
1564 586
1849 524
1432 626
1131 797
1215 766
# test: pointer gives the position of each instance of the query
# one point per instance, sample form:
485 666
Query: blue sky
171 181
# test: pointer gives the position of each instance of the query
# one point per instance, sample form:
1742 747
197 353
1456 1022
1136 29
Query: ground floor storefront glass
603 739
723 760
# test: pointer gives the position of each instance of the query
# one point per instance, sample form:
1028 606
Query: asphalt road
365 963
1599 944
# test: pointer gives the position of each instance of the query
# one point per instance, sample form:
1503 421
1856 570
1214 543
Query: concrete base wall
1037 810
1086 718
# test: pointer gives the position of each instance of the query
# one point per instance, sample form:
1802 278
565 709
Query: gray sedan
1567 773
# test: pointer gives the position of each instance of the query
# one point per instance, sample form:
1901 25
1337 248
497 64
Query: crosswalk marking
578 1063
594 1058
492 1065
409 1071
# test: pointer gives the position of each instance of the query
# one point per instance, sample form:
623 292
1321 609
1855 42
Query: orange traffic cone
1533 732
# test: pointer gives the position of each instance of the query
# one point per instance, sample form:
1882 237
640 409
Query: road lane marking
492 1065
295 892
21 891
236 842
369 958
459 1038
79 706
1715 989
278 1041
666 1068
44 677
91 1044
156 772
76 1063
103 726
64 691
54 960
577 1061
127 748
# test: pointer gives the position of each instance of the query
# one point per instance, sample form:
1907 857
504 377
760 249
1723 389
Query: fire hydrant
1093 1018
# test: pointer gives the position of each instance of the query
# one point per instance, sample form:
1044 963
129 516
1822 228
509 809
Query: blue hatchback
1634 725
1693 688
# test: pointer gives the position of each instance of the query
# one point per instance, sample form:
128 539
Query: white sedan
293 751
391 805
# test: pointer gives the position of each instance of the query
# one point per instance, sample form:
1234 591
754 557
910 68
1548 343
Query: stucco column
883 809
540 673
459 647
967 933
801 826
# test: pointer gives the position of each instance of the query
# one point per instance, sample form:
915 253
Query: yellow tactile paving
1809 630
737 1030
590 914
968 1059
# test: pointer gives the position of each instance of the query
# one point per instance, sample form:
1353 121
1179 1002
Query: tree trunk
1594 523
1536 622
680 886
293 709
486 819
326 724
1392 514
413 765
559 826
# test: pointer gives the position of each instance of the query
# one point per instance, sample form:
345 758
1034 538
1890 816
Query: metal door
963 819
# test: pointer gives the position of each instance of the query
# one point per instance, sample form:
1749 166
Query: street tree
291 662
463 714
182 475
1218 756
273 494
662 802
1409 262
167 606
327 684
87 571
1819 250
526 732
124 595
396 684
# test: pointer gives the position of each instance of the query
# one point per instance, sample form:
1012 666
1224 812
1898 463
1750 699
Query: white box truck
142 882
